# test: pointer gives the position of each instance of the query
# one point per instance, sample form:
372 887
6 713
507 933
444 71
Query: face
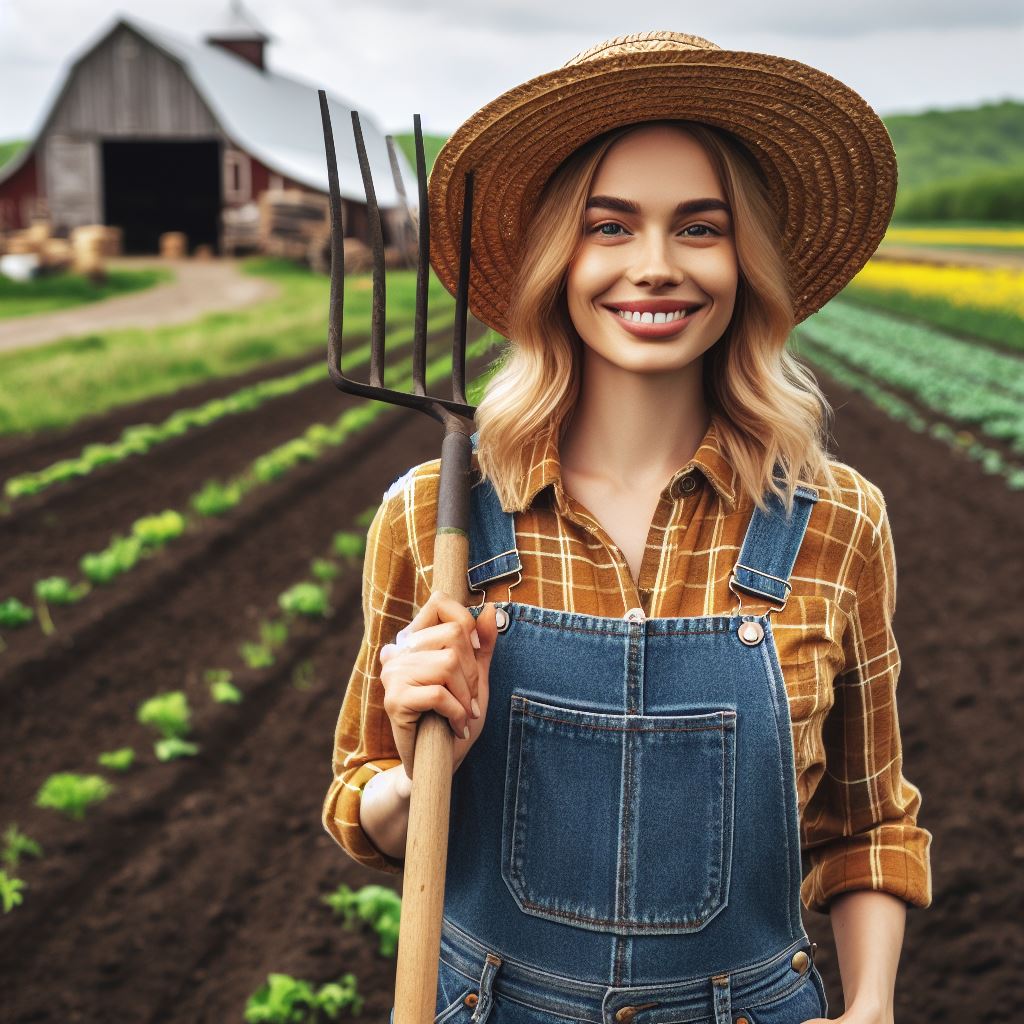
657 241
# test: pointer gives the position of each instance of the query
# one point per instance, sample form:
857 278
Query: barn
153 132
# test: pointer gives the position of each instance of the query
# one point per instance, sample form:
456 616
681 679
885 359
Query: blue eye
599 228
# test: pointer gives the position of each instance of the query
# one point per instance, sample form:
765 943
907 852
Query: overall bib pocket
619 823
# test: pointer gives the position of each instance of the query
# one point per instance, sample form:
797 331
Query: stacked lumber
291 221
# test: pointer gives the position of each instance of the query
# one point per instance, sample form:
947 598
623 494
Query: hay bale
174 245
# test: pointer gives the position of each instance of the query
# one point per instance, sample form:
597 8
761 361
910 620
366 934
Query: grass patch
61 291
55 385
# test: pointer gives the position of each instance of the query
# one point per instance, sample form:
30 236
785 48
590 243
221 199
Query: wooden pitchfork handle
426 850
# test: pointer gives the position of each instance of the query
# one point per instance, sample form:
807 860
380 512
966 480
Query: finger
441 666
447 635
437 697
440 607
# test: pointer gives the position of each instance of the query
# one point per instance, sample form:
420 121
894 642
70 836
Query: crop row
139 438
967 383
961 441
151 533
281 997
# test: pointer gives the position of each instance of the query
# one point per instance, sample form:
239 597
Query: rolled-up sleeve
860 828
363 742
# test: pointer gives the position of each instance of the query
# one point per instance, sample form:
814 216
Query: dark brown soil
176 897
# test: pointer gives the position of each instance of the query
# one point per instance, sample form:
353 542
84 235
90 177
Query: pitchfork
427 843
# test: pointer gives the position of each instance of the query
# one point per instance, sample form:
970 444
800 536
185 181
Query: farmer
674 703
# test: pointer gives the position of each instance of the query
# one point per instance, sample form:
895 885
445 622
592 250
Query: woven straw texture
825 154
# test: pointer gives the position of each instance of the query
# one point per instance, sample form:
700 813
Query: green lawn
58 384
60 291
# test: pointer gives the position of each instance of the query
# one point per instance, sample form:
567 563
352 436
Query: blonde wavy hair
766 405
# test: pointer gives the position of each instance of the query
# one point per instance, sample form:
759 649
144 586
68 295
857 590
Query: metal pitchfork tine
427 841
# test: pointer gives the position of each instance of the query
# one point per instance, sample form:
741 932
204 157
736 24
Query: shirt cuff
890 858
341 819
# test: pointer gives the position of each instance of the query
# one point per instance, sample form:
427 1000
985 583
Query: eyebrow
629 206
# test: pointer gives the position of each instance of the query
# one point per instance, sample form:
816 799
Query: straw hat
826 155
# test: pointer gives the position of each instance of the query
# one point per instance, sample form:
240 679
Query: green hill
9 149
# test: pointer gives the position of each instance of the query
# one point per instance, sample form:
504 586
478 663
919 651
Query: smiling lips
654 318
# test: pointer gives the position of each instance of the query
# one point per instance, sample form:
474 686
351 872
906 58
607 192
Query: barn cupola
239 33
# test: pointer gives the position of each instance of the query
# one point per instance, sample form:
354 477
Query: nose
655 263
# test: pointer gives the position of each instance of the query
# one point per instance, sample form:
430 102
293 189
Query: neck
634 430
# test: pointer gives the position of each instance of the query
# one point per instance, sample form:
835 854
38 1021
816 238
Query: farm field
176 897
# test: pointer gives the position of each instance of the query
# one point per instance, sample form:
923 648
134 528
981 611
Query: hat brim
826 155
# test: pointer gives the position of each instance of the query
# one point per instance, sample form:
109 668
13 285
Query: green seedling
155 531
217 675
71 793
18 845
348 544
14 614
119 760
168 713
118 557
224 692
305 598
286 1000
302 675
173 747
58 590
325 570
216 498
256 655
10 891
366 517
377 905
274 633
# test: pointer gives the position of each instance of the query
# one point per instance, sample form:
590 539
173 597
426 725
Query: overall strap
492 535
771 545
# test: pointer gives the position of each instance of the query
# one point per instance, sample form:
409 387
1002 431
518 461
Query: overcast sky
443 59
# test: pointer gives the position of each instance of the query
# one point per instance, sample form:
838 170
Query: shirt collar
545 468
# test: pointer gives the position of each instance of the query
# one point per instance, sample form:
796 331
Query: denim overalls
624 840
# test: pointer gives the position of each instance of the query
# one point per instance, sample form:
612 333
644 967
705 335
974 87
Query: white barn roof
268 115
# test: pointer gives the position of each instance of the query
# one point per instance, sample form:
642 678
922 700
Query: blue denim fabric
624 832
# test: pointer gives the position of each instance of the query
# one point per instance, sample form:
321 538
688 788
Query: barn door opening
153 187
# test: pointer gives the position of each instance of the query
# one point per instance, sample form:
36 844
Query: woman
681 673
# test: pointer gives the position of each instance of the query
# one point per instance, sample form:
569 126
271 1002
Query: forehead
653 159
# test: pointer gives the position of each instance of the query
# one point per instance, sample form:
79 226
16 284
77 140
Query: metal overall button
801 961
501 619
751 633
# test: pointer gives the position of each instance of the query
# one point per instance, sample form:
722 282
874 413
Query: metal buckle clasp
483 593
739 597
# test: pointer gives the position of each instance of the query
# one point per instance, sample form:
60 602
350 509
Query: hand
438 668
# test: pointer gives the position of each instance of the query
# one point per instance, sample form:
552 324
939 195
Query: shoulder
851 512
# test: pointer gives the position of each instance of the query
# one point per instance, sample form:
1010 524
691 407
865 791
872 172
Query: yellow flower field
981 288
1009 237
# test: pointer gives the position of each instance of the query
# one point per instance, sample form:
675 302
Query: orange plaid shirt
858 813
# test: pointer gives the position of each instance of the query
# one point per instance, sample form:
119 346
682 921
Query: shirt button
685 485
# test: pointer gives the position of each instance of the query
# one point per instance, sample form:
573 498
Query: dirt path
200 286
943 257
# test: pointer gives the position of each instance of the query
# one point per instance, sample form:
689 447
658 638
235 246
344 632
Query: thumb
487 629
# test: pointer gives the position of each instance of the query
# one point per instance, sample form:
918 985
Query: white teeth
652 318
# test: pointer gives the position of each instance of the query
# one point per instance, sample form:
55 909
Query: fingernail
475 637
465 734
476 708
